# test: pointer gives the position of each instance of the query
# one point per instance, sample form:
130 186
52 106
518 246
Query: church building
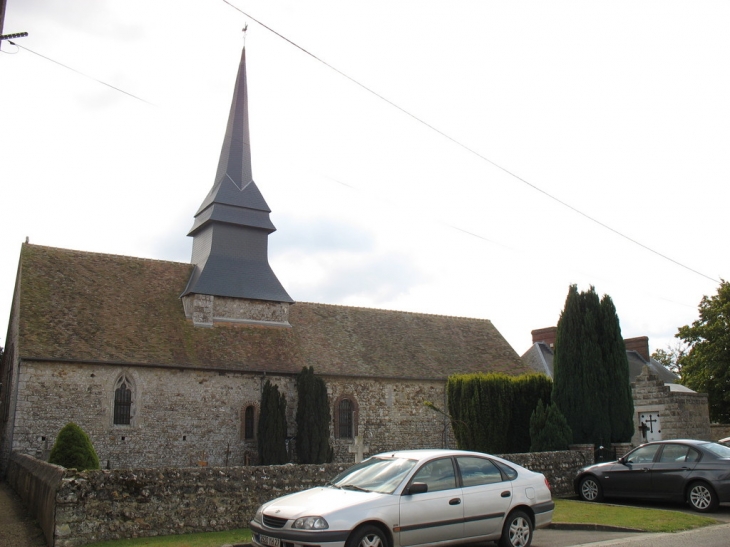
162 363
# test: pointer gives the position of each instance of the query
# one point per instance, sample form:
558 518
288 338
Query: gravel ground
17 528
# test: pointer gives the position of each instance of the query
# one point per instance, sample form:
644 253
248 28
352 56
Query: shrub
73 449
549 430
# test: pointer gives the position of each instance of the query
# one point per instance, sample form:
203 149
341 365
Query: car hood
320 501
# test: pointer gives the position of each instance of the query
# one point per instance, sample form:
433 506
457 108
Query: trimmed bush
549 430
491 412
73 449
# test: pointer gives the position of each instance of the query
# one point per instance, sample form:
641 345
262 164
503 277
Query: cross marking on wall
358 448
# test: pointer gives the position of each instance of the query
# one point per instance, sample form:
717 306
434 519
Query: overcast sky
617 110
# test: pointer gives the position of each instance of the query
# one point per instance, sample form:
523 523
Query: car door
632 478
486 497
435 515
672 470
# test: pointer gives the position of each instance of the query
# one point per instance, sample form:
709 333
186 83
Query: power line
474 152
81 73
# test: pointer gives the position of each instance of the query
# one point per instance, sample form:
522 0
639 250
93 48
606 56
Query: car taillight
547 483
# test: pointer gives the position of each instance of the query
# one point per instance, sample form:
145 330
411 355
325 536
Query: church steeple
230 236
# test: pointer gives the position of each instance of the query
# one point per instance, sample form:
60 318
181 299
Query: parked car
697 472
412 498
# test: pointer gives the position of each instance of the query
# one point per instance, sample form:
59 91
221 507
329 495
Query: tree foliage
671 357
313 419
549 430
706 365
620 402
272 426
73 449
491 412
591 371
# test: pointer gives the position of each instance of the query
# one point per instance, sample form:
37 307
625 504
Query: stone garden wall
113 504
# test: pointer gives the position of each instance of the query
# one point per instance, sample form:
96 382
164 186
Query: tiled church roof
82 306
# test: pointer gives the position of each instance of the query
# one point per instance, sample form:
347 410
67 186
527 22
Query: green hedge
491 412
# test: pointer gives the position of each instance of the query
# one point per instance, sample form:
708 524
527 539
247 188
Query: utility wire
81 73
474 152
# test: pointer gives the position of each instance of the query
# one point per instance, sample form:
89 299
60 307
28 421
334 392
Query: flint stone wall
114 504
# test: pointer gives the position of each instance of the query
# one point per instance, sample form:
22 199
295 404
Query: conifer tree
272 426
73 449
313 419
591 373
616 364
549 430
580 384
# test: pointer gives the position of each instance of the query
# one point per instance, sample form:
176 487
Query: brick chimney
546 335
640 344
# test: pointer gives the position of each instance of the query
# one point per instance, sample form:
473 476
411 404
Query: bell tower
232 280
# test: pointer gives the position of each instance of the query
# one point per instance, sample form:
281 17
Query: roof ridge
111 255
396 311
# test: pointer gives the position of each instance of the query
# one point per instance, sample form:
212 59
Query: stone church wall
684 415
183 418
9 385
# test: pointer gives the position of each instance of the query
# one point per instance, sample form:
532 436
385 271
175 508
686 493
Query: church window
346 416
123 402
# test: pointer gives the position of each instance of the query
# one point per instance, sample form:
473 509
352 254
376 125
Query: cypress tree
313 419
580 386
616 367
73 449
272 426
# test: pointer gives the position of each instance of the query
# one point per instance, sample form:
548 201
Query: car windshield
375 475
718 450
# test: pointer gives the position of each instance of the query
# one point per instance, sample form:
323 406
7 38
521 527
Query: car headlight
259 516
310 523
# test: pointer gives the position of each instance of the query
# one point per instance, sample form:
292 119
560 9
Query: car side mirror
417 488
622 460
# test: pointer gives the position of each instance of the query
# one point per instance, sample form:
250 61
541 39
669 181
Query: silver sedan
410 499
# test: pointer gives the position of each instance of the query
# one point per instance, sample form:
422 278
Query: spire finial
245 29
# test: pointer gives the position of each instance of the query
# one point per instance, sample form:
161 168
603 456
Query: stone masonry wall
719 431
683 415
183 418
123 503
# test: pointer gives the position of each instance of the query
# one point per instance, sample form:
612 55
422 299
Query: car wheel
590 489
516 531
367 536
701 497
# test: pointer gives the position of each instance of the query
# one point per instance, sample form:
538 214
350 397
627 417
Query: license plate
266 540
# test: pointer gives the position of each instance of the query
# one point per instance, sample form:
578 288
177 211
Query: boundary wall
76 508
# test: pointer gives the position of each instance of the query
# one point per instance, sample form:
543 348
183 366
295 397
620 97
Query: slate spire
231 228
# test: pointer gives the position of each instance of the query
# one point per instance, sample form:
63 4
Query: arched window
346 416
249 431
123 402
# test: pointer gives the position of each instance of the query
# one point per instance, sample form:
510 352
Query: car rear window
718 450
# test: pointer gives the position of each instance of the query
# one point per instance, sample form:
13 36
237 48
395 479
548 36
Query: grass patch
648 520
206 539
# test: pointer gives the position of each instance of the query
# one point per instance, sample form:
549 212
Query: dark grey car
697 472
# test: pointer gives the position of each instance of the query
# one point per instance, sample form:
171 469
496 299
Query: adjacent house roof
91 307
540 358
